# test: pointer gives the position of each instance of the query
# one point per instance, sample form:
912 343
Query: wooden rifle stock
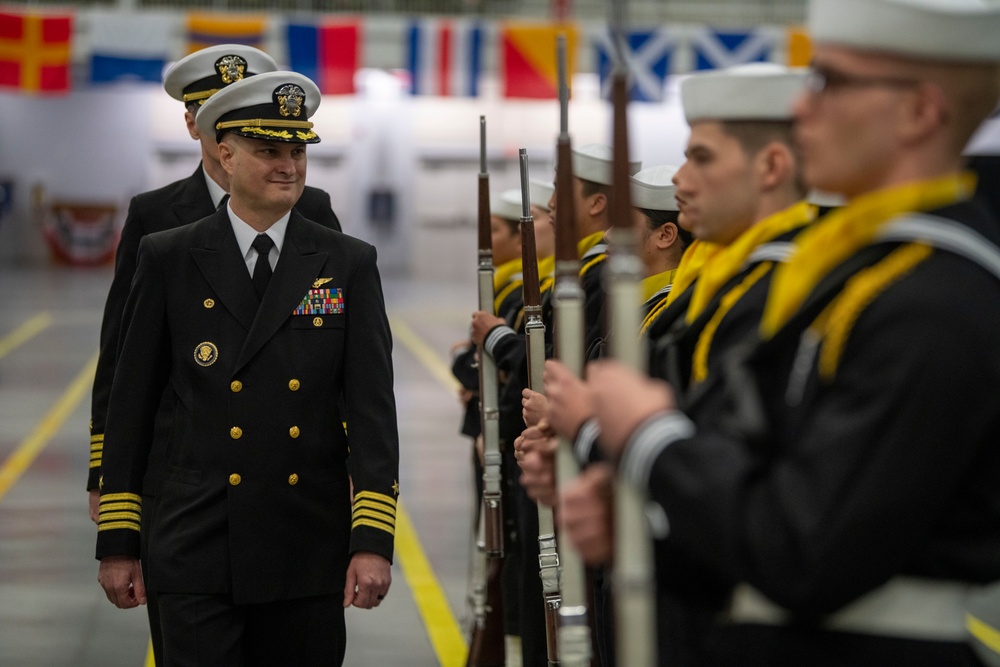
548 556
488 382
568 303
632 577
486 646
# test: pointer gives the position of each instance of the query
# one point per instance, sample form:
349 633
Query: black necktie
262 269
223 202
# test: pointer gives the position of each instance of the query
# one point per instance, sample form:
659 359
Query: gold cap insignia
206 354
290 99
319 282
231 68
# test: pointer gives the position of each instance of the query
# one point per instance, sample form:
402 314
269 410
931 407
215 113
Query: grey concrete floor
52 611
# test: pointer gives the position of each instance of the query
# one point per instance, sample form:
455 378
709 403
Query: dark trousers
203 630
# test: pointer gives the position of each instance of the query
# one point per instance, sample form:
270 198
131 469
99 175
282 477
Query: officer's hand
571 401
121 579
624 399
482 322
94 500
533 407
585 513
368 580
535 450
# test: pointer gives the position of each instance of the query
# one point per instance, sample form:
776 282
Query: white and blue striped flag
444 56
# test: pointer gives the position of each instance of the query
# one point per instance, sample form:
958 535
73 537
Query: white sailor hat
540 193
507 205
274 106
198 76
953 30
592 162
825 199
653 188
756 91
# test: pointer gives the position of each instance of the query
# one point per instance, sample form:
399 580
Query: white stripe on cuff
648 442
585 440
495 335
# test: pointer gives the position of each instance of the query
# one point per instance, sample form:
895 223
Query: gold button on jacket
235 479
293 384
236 433
236 386
294 431
293 479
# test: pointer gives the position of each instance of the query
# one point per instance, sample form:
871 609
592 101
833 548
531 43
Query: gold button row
236 432
237 386
235 479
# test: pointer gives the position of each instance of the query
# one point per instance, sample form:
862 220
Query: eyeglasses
824 80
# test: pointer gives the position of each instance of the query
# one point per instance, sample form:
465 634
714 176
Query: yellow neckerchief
653 284
650 287
546 267
506 272
731 259
585 244
506 279
692 261
840 234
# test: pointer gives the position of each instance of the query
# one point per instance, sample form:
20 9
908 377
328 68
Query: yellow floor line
442 628
47 428
426 355
24 333
445 635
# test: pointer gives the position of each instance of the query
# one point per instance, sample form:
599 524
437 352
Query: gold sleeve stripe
379 516
115 507
95 463
97 446
374 524
96 438
119 516
371 504
371 495
118 524
116 497
95 456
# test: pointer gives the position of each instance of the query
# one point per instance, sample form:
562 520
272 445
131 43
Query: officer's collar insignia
319 282
290 99
206 354
231 68
395 487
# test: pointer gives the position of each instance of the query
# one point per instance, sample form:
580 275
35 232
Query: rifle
486 647
568 301
488 382
534 328
632 576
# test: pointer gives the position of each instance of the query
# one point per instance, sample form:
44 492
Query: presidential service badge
206 354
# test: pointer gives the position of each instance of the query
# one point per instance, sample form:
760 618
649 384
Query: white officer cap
275 106
653 188
592 162
952 30
507 205
540 193
196 77
757 91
